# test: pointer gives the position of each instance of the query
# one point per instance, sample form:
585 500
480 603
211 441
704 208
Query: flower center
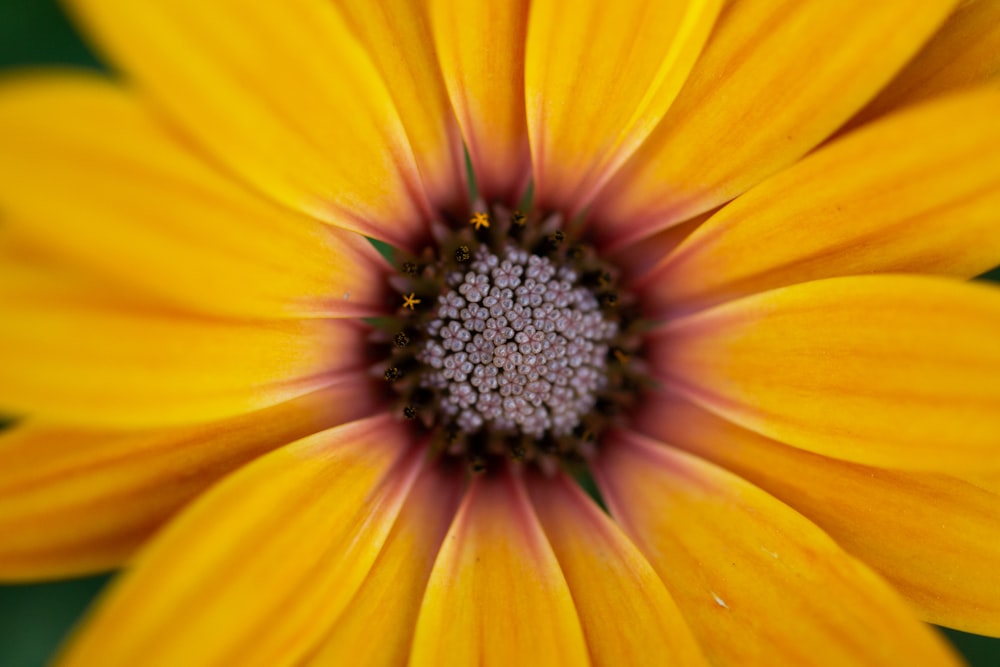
516 345
512 341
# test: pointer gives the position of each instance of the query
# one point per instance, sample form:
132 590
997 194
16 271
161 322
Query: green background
35 617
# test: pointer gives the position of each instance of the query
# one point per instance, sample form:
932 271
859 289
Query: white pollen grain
719 601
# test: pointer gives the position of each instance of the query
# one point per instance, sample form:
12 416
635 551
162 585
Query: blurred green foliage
34 618
37 32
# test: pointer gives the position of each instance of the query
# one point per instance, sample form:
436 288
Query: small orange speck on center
480 220
410 301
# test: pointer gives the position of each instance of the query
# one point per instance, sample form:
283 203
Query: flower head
711 257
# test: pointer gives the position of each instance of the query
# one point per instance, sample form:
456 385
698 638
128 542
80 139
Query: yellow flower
798 452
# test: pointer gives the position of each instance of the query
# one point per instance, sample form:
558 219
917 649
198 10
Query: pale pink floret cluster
517 345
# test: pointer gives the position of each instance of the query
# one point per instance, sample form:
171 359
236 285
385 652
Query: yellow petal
255 571
916 193
964 53
986 479
597 79
934 537
496 595
387 604
397 36
481 49
628 617
90 173
76 501
78 351
893 371
758 583
775 79
282 94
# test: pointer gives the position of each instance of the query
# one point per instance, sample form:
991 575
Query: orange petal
282 94
598 78
397 36
875 369
481 49
776 78
964 53
758 583
935 538
496 595
91 174
387 604
256 570
628 617
80 352
877 201
94 497
636 260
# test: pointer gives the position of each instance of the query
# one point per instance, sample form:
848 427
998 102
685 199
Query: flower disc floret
516 345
